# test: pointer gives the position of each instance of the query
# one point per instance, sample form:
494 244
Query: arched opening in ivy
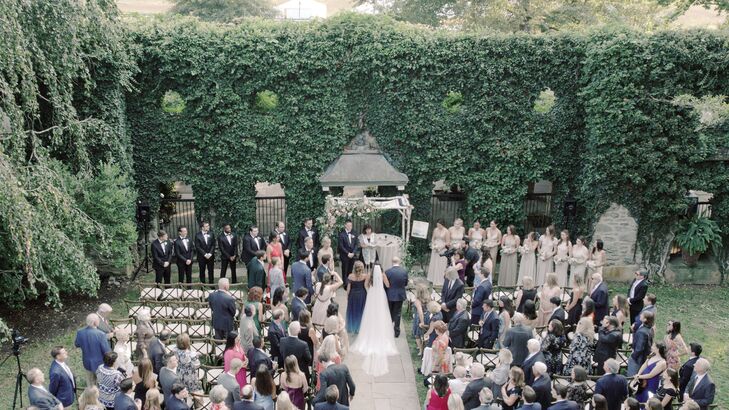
545 102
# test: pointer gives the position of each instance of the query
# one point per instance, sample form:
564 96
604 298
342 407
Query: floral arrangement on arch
338 211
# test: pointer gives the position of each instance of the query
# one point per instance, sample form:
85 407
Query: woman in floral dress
552 345
582 347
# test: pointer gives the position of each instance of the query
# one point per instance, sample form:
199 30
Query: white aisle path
394 390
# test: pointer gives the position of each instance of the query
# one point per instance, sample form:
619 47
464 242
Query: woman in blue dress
649 375
356 296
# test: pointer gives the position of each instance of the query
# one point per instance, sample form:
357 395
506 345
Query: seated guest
516 339
577 389
459 381
529 399
246 402
37 393
609 340
275 333
581 347
438 394
108 379
535 355
552 345
479 381
89 399
124 399
489 325
178 399
61 381
653 404
511 392
458 325
613 385
562 403
687 369
701 388
487 400
331 396
542 384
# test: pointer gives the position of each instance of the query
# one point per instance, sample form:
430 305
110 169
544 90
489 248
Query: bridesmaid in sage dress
545 262
561 260
508 266
578 258
356 297
528 264
439 243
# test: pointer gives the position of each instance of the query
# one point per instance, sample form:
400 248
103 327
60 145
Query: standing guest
356 285
577 389
701 388
581 348
675 346
276 276
479 381
252 244
500 374
144 332
668 389
470 255
547 250
527 292
458 325
335 375
542 384
89 399
562 257
441 357
218 395
599 402
302 275
481 293
552 345
486 398
178 397
599 295
421 316
307 231
222 306
38 395
687 369
278 302
183 256
367 240
291 345
330 403
562 402
493 239
438 394
157 349
649 375
439 243
60 378
326 264
511 392
108 379
124 400
247 402
104 311
297 303
275 333
285 241
588 308
256 271
234 350
308 333
94 345
435 316
257 356
517 338
621 310
535 355
550 289
529 397
144 380
506 312
168 375
455 402
152 401
609 340
336 325
396 281
326 290
558 313
528 263
330 348
530 314
598 258
293 383
636 294
229 381
248 329
613 385
205 249
649 305
574 307
162 252
642 341
508 267
451 292
228 245
347 247
578 258
188 364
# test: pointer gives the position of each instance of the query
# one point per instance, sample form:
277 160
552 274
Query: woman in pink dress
274 250
438 395
233 350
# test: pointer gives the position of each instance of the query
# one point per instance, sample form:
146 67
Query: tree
226 11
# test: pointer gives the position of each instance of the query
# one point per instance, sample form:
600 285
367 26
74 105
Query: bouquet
508 251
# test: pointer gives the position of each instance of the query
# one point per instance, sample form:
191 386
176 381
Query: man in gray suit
397 280
168 375
230 383
335 375
222 306
516 340
38 395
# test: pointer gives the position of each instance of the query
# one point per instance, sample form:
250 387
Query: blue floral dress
581 351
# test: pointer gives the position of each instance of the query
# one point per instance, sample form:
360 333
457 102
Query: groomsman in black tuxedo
183 252
252 243
285 240
312 261
228 245
162 257
348 246
308 231
205 248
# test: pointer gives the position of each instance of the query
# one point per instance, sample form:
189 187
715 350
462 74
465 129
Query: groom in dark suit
348 246
397 280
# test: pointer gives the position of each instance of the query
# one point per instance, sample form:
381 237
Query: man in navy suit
37 393
562 403
302 275
478 382
257 356
649 305
481 294
228 245
558 312
642 341
450 293
612 385
162 252
178 399
701 388
458 325
298 304
687 369
542 384
183 256
291 345
61 381
124 400
535 355
331 395
275 334
530 399
397 280
516 340
489 325
599 295
323 268
246 402
222 306
205 248
347 246
93 344
609 340
636 293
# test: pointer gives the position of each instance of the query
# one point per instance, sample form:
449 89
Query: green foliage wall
612 135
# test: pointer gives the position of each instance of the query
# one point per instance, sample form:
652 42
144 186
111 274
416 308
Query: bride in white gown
376 339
